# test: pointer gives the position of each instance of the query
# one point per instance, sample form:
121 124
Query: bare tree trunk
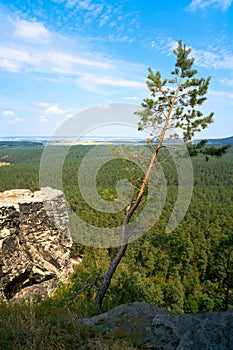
115 262
108 276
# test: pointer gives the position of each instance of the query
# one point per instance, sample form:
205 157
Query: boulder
156 328
129 321
34 242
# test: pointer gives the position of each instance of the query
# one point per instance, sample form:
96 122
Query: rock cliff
34 242
158 329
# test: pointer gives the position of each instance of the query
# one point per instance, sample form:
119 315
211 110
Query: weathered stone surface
211 330
131 321
159 329
34 242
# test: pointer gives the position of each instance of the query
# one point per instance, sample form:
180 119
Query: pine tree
173 105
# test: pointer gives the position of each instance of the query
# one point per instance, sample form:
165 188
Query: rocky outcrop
159 329
34 242
204 331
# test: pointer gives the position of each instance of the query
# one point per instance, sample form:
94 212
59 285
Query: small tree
173 104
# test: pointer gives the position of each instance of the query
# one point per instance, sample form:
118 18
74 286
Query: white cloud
228 82
18 55
65 62
217 93
72 3
163 44
8 113
131 98
31 31
152 44
220 60
43 119
202 4
211 58
90 10
119 24
9 66
41 60
62 57
44 104
103 20
19 119
69 115
52 108
110 81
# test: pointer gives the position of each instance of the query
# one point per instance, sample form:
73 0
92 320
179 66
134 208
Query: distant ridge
20 144
40 140
223 141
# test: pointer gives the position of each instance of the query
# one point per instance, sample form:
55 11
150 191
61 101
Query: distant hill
19 144
223 141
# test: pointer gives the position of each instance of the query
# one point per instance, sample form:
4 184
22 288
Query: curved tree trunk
115 262
125 239
108 276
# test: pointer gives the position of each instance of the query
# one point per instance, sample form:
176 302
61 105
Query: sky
60 57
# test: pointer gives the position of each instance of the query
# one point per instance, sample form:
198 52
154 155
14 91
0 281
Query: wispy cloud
163 44
211 57
93 7
227 82
9 66
86 17
43 119
118 24
89 81
32 58
66 62
221 94
15 120
208 59
57 59
131 98
203 4
13 59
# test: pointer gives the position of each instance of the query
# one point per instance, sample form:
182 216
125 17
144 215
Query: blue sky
58 57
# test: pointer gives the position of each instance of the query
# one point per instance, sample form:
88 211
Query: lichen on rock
156 328
34 242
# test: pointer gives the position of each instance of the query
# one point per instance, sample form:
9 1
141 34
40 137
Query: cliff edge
34 242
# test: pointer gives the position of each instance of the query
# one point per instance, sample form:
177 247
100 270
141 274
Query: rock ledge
156 328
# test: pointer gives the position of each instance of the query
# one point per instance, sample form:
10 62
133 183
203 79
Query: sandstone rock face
34 242
156 328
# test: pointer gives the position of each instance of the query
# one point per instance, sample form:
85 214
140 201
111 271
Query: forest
186 271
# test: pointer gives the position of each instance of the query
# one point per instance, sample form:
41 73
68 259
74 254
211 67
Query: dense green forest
187 270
